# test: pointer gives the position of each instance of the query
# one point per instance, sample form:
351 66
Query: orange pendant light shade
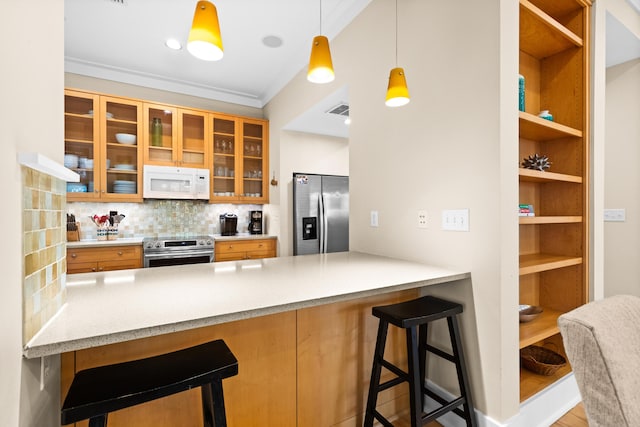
320 65
205 41
397 92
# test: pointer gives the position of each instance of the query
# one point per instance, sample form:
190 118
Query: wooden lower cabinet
308 368
234 250
87 260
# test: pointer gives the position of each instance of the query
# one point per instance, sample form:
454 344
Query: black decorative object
536 162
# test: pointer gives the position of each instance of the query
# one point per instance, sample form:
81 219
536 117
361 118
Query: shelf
125 171
118 145
78 141
535 128
545 326
541 35
536 263
79 115
532 383
527 220
128 122
531 175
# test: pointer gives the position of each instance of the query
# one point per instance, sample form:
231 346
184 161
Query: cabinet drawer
244 246
126 255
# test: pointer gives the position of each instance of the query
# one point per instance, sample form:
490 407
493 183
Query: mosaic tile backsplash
44 248
162 217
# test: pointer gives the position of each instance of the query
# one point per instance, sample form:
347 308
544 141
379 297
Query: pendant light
397 91
205 41
320 65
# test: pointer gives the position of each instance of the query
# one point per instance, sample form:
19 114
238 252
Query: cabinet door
81 144
255 161
160 135
224 165
194 140
122 174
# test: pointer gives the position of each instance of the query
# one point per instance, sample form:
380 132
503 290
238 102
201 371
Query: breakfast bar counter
110 307
301 328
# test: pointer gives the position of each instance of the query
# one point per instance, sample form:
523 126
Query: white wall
622 179
454 146
31 105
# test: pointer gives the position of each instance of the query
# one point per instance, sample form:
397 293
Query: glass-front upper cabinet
121 132
81 142
224 165
193 142
160 135
255 155
240 160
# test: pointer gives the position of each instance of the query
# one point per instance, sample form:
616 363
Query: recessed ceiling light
173 44
272 41
347 121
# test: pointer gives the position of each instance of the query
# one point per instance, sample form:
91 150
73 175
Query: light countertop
93 243
116 306
124 241
241 236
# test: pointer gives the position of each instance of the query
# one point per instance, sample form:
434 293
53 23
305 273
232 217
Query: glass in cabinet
81 147
254 155
224 158
122 174
160 138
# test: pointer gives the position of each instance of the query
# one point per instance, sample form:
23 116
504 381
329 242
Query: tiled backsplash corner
44 249
161 217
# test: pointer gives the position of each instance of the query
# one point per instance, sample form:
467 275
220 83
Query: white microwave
166 182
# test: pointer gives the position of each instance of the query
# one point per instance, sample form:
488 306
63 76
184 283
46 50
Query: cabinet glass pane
78 141
193 139
160 135
252 160
224 140
122 148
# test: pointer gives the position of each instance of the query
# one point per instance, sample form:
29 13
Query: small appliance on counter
255 222
228 224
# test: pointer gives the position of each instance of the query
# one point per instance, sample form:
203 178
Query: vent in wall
341 109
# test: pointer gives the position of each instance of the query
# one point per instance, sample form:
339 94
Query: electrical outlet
45 370
615 215
422 219
455 220
374 219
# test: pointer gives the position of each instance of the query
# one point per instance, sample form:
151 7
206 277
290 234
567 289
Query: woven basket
541 360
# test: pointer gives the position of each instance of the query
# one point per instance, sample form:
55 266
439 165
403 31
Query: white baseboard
541 410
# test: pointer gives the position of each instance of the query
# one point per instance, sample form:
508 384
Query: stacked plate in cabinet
124 187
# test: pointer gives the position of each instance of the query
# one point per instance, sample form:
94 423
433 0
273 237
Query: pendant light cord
396 33
320 17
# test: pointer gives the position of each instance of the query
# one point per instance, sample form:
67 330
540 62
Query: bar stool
97 391
414 316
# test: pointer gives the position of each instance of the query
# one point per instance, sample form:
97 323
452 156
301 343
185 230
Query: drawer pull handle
120 253
74 255
93 269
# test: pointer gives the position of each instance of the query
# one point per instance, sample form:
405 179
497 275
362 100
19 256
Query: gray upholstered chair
602 342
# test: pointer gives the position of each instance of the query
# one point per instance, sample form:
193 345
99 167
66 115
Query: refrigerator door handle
322 225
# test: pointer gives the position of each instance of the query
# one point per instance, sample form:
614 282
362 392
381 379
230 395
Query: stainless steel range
162 251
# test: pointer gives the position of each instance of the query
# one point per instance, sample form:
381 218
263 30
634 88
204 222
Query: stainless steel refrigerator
320 213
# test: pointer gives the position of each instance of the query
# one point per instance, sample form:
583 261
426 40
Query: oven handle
178 254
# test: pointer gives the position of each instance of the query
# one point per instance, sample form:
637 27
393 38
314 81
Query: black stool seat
97 391
417 311
414 316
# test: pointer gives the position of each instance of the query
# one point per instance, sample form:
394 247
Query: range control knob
157 245
209 242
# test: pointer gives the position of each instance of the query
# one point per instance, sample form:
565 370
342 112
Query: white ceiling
123 40
621 44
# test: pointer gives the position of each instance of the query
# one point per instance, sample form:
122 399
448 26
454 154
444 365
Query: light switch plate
374 219
455 220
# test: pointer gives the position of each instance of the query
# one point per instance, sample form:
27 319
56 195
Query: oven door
160 259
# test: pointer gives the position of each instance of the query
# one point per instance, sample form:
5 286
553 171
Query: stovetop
184 243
